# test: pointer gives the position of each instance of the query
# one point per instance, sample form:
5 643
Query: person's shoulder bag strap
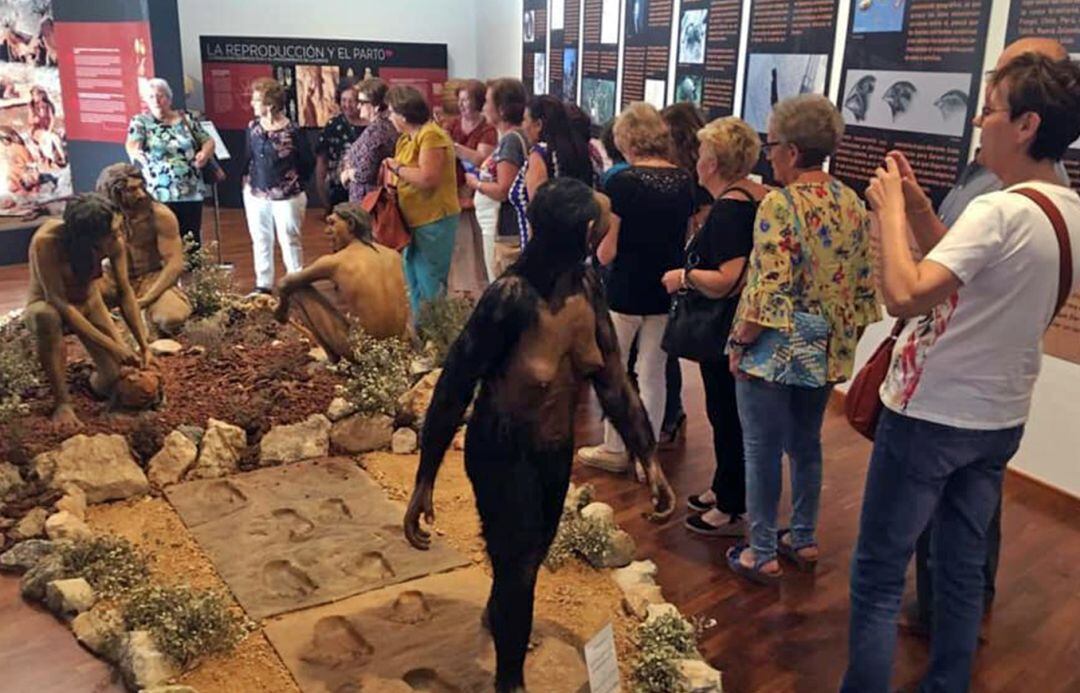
1065 268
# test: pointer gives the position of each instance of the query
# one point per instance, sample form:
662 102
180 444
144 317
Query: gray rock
318 355
69 597
221 448
620 551
360 433
44 571
74 502
655 611
31 525
25 555
194 433
413 405
600 512
306 440
143 665
65 526
10 479
172 461
638 598
637 573
340 408
100 631
403 441
421 365
577 497
699 676
101 465
166 347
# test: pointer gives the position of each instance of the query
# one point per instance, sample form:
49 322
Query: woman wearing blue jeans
810 265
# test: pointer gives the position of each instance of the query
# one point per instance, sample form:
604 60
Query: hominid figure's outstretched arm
505 310
129 306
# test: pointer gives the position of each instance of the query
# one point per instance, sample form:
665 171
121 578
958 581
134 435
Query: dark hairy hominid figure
536 334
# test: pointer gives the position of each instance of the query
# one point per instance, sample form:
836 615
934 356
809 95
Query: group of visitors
800 267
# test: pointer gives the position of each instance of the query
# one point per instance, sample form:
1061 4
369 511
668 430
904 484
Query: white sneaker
601 458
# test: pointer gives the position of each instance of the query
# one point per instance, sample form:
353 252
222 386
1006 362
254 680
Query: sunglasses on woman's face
767 147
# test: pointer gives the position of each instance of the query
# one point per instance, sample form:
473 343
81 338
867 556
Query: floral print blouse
170 151
279 161
812 254
334 140
366 155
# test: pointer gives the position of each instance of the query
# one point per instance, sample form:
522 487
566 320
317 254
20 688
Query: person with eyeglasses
959 387
362 160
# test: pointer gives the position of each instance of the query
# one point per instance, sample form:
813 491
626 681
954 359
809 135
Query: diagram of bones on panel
936 103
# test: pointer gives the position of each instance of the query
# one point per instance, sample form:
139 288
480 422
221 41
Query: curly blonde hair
271 91
734 144
639 130
810 122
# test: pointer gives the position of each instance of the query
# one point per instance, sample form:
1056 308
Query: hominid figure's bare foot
64 417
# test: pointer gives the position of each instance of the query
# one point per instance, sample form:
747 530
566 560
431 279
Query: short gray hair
158 83
810 122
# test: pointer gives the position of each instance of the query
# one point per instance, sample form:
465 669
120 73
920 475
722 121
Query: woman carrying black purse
705 295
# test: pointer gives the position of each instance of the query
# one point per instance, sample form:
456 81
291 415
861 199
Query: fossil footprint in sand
428 680
298 526
369 566
284 579
333 510
337 642
223 495
410 607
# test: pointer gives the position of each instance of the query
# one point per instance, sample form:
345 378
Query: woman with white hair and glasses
171 148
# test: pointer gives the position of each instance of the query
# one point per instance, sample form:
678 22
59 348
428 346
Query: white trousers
264 217
487 216
651 360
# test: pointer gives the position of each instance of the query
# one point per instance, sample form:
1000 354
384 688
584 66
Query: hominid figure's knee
43 320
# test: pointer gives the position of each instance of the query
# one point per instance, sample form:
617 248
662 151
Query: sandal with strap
791 552
755 573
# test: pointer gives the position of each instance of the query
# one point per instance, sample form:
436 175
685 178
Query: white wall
453 22
498 42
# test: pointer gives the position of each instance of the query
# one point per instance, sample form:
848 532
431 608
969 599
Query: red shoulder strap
1065 273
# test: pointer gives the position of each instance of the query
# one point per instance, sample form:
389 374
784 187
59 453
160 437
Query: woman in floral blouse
336 136
364 157
811 260
171 148
278 165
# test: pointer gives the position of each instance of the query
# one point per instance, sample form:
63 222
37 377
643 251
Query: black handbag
698 326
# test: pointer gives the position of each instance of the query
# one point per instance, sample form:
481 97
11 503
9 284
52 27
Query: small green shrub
185 623
109 563
19 368
208 285
378 374
440 322
661 644
588 538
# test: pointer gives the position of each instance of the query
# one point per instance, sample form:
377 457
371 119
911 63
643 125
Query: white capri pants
651 361
264 217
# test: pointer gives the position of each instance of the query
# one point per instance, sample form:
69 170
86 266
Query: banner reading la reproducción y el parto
910 81
310 70
789 52
647 33
708 55
534 57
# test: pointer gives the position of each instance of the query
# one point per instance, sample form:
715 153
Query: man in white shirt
959 386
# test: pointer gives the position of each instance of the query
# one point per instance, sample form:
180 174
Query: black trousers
924 580
189 215
729 480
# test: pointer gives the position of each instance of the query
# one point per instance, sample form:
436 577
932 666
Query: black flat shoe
695 503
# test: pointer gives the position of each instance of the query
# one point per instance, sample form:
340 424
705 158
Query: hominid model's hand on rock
127 357
663 498
419 504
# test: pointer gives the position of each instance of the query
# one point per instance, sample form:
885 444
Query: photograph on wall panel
562 62
647 54
599 58
707 56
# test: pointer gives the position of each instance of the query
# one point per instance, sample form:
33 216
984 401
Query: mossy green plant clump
19 369
111 564
578 536
440 322
208 285
662 642
187 624
377 375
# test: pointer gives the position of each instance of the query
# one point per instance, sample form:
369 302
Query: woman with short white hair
171 148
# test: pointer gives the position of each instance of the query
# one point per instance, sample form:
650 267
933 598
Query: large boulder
222 445
172 461
25 555
142 663
360 433
30 526
621 549
99 630
413 405
165 347
101 465
300 441
599 512
69 597
10 479
63 526
404 441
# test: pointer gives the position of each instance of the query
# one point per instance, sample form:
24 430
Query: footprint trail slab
290 537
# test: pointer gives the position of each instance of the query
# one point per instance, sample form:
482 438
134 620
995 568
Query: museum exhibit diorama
359 474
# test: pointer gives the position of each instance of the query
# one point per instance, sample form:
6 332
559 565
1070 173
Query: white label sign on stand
603 662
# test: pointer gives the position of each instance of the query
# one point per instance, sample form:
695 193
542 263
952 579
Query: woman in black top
651 202
728 150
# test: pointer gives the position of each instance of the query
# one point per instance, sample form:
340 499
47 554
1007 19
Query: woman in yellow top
424 164
809 285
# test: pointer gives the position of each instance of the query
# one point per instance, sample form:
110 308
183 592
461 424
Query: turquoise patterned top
170 150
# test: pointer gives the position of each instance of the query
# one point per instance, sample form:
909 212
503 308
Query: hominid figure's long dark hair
560 214
87 219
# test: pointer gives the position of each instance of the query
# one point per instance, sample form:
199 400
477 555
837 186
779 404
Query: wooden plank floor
770 640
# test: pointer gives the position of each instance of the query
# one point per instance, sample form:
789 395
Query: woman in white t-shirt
959 385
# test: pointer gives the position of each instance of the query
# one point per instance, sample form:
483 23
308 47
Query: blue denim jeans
921 471
777 418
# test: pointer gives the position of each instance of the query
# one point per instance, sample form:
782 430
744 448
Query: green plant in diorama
661 643
588 538
19 368
377 375
208 285
440 322
111 564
